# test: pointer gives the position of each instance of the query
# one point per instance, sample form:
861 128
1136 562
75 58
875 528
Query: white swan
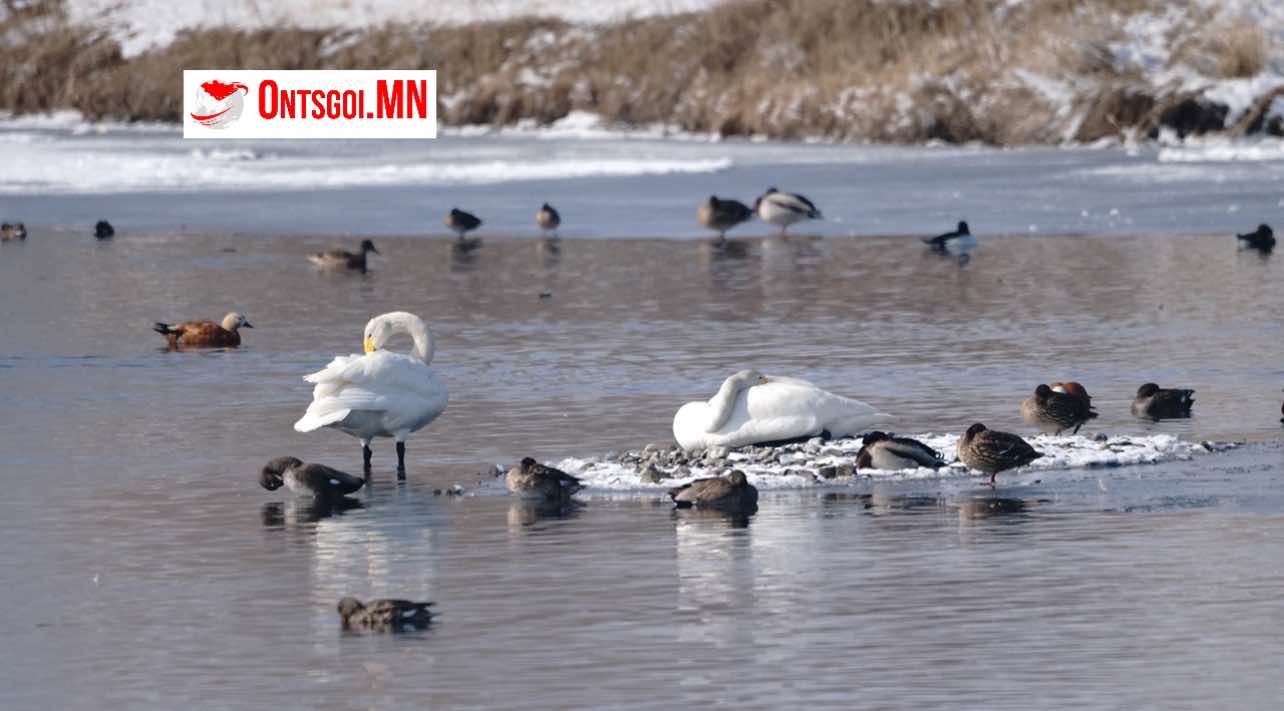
752 408
379 394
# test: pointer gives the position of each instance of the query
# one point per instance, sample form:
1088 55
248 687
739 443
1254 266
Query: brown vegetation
958 70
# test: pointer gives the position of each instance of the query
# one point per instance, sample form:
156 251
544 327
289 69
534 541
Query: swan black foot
401 461
366 454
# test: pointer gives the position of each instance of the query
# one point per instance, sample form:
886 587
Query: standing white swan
751 408
380 393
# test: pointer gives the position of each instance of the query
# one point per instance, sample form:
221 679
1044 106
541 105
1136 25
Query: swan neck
424 345
724 402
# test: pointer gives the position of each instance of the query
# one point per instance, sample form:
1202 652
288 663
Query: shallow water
145 567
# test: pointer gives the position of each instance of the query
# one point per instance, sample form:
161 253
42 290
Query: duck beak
376 251
247 324
369 345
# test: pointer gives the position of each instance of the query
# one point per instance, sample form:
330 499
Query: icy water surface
143 567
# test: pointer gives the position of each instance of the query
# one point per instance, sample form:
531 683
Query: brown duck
991 451
1055 412
734 493
204 334
531 480
384 615
320 481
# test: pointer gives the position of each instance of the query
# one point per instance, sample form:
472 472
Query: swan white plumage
752 408
379 393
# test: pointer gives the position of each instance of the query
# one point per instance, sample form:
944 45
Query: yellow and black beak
370 345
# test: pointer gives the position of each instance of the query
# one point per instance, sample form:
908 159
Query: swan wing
406 390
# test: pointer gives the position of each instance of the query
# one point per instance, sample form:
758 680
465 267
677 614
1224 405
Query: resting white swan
379 394
751 408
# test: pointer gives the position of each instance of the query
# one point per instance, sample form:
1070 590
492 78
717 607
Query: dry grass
841 69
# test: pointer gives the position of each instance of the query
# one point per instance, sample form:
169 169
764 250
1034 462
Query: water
145 568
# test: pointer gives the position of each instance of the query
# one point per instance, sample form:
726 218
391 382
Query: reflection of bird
380 393
958 243
14 231
548 219
752 408
1054 412
1261 239
461 222
883 451
1156 403
340 259
532 480
784 209
991 451
104 230
384 615
734 493
722 215
204 334
316 480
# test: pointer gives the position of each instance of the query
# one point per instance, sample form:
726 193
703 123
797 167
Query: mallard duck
460 223
991 452
340 259
13 231
384 615
734 493
1261 239
1054 412
379 393
784 209
204 334
104 230
548 219
958 243
1156 403
722 215
532 480
316 479
880 450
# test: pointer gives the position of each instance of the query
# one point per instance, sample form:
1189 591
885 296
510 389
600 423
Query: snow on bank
140 25
820 463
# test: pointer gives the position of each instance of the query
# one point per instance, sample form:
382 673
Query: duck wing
913 449
324 480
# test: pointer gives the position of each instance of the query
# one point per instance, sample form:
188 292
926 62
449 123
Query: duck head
273 475
368 246
873 437
1043 392
973 431
350 606
1147 390
962 228
737 478
234 320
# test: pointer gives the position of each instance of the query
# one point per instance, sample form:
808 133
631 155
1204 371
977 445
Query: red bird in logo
219 104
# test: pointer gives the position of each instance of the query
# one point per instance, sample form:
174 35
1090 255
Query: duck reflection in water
712 517
523 513
277 514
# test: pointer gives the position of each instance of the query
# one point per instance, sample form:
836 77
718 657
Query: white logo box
265 103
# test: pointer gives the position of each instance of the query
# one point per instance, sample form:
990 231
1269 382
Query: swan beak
369 345
762 380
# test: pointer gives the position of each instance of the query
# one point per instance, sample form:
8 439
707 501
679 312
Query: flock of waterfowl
383 394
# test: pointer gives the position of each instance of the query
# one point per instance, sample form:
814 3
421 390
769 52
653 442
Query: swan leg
366 454
401 460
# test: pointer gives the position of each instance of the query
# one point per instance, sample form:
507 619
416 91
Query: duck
1054 412
318 480
784 209
958 243
1073 388
531 480
1156 403
204 334
461 223
752 408
13 231
379 393
991 451
104 230
340 259
880 450
548 219
722 215
733 493
384 615
1262 239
